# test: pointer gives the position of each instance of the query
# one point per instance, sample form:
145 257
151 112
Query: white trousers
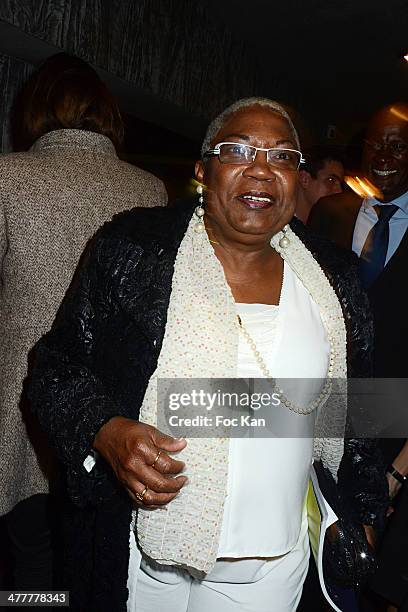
242 585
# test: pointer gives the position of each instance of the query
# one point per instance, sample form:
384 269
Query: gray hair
219 121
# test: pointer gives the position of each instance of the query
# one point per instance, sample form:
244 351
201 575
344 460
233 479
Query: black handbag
348 558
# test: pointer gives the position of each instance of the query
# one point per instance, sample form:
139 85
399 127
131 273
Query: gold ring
140 496
157 456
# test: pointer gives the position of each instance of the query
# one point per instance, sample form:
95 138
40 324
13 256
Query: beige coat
52 199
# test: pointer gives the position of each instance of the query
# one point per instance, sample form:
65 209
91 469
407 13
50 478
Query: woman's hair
219 121
66 93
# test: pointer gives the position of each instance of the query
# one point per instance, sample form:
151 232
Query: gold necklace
324 394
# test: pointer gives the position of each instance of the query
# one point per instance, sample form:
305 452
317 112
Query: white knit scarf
201 341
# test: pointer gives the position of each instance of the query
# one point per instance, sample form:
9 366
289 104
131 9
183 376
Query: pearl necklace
324 394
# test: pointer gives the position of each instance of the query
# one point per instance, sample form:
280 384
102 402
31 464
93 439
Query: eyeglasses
236 153
396 147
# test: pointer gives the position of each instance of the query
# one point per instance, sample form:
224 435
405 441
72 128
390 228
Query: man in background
375 229
321 175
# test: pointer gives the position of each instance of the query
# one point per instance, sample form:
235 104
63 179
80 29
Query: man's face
327 182
385 157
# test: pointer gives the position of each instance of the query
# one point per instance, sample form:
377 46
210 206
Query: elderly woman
220 290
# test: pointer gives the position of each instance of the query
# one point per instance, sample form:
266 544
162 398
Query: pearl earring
284 241
199 211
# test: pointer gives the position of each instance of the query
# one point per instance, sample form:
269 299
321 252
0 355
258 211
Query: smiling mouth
256 200
384 172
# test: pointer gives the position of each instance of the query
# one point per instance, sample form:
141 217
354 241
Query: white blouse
268 477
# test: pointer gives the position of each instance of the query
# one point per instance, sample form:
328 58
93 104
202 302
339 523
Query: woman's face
250 202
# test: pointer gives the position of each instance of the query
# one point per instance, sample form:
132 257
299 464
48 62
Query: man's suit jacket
335 218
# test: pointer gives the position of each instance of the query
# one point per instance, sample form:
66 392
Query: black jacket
334 217
96 362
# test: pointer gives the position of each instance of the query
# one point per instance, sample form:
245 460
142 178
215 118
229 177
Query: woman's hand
132 449
394 485
400 463
394 488
370 535
333 533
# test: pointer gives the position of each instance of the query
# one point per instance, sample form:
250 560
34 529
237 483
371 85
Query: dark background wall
168 61
13 73
334 61
175 63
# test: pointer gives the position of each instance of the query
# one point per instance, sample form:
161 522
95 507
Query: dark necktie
374 253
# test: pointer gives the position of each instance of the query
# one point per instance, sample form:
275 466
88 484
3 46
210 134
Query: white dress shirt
367 218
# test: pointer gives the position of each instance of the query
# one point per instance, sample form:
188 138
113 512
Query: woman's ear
199 171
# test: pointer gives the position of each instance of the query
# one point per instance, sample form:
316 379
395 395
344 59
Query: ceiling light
406 57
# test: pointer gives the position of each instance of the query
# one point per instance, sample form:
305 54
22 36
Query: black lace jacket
96 362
